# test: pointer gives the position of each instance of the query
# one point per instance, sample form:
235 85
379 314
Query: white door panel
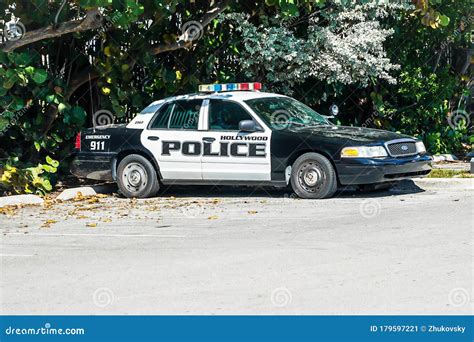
175 140
237 156
229 154
174 152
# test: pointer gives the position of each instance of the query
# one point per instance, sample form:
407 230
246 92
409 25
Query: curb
70 194
21 200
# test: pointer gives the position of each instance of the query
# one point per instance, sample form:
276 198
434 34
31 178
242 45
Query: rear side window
185 114
162 117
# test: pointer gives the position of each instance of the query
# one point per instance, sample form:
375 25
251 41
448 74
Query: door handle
208 139
153 138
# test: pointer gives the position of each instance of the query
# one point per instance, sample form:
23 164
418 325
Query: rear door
231 155
175 141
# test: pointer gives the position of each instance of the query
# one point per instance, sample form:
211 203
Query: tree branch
184 40
92 20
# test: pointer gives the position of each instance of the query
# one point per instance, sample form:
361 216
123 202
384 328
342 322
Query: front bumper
353 171
94 166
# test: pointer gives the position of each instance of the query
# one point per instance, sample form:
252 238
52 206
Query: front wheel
313 177
136 177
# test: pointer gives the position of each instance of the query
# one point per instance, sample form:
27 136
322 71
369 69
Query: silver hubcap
311 177
134 177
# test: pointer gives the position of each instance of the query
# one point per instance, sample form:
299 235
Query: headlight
364 152
420 147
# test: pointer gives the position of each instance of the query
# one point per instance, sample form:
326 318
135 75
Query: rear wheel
136 177
313 177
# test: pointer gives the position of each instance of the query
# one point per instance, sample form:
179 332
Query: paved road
241 252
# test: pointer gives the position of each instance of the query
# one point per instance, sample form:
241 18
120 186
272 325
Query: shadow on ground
403 188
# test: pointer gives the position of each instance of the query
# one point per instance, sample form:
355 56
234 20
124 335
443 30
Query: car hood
355 134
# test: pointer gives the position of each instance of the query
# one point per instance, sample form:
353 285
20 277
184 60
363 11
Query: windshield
281 112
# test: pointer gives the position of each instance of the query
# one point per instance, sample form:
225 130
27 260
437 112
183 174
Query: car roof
227 95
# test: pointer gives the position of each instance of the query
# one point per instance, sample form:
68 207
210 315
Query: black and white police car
233 134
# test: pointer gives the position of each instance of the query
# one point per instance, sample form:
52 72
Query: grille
400 149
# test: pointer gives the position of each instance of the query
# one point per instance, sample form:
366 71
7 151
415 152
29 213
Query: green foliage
30 180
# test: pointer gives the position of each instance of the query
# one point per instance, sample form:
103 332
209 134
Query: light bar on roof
212 88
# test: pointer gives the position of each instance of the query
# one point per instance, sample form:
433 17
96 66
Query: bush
31 180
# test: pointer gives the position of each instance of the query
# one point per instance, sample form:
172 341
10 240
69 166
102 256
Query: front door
231 155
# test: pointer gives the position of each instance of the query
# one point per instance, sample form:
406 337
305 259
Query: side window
226 115
162 117
185 114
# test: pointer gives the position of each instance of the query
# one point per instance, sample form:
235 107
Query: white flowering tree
338 44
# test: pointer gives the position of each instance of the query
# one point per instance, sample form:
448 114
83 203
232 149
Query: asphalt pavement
241 251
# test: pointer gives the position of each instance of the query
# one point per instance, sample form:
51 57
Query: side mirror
334 110
248 126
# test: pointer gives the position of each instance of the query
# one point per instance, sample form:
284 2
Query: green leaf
444 20
52 161
30 70
4 124
62 107
37 146
40 76
49 168
47 185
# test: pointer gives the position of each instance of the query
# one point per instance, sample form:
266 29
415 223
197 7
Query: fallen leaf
214 217
79 197
92 225
252 212
48 223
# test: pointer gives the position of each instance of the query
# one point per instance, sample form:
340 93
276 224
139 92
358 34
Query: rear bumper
353 171
94 166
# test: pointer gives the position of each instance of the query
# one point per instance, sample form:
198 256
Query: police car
234 134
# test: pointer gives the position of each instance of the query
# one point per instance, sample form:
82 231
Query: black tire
136 177
377 187
313 177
